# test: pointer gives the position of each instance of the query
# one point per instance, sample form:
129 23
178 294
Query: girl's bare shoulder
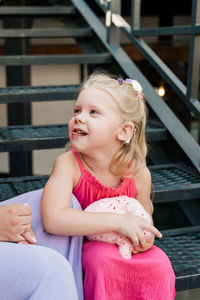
65 164
143 176
64 159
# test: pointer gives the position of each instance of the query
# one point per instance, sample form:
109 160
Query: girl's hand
149 244
133 227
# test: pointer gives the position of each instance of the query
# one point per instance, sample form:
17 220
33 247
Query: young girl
107 134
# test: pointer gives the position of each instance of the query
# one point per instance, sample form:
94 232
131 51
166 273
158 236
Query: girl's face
95 122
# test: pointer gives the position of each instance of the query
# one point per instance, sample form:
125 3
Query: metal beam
19 94
168 30
135 14
194 55
25 60
113 33
45 33
176 84
36 10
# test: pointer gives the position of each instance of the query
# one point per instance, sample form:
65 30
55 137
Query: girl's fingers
143 242
135 241
150 240
136 251
153 230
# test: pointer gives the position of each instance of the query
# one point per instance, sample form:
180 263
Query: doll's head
128 96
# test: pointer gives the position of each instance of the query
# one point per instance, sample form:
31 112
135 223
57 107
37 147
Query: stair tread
23 60
50 32
184 253
37 10
16 94
174 182
29 137
11 187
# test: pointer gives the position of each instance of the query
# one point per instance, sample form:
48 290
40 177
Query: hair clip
134 84
139 96
120 81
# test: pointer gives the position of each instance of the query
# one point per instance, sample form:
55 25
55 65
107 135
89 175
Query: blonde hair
132 156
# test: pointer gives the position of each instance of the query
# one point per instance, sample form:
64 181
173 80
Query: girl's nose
80 118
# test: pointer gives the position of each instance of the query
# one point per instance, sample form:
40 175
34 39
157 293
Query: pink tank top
89 189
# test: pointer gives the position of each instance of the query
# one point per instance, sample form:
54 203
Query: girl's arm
143 188
59 218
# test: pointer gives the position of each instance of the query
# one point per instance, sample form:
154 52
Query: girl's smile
77 131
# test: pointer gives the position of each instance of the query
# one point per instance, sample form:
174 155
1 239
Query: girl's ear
125 132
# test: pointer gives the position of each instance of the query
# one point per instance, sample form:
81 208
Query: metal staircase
174 156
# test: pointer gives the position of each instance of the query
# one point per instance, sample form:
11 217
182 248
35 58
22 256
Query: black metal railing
109 35
188 94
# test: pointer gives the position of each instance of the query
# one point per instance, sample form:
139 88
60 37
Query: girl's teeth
80 132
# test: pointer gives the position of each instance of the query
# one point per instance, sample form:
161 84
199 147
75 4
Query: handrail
169 119
187 94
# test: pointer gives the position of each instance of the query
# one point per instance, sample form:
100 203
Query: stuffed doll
120 205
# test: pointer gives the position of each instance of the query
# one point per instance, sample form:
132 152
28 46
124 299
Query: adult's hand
15 223
29 237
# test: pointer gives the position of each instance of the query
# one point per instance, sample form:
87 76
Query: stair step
185 184
18 94
174 182
42 11
24 60
183 251
27 137
23 138
45 33
155 132
11 187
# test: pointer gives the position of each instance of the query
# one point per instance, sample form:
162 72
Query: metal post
194 54
84 72
113 33
135 14
19 113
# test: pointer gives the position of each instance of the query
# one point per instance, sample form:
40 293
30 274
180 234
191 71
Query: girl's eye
76 111
93 111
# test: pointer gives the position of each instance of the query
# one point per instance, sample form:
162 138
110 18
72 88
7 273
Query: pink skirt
108 276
